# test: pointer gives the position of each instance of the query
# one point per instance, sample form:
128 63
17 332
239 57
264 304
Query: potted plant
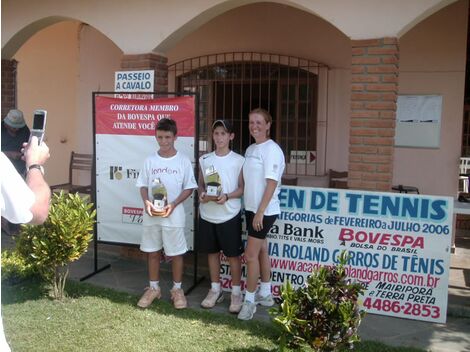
324 313
60 240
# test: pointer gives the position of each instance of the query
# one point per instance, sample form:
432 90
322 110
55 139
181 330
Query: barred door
230 85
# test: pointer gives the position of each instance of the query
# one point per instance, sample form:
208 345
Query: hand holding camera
39 125
36 152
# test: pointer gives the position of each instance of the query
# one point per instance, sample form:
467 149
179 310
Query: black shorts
268 222
225 237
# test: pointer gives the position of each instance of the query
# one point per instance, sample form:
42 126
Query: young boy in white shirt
220 214
165 229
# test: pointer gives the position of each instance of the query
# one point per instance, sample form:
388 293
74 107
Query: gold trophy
160 198
213 183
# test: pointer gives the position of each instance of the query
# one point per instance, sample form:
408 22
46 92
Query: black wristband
36 166
226 195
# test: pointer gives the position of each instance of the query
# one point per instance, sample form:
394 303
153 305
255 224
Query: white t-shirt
17 198
176 174
228 167
262 161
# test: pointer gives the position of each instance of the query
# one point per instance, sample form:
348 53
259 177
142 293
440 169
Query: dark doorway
230 85
234 101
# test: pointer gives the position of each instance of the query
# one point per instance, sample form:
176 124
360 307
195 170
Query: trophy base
157 212
211 198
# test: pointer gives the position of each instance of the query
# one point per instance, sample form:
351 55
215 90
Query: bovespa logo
132 215
115 172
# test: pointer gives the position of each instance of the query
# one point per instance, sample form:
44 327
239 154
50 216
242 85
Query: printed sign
134 81
125 137
303 156
399 246
135 117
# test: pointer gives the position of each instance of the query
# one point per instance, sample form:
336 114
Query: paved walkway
130 275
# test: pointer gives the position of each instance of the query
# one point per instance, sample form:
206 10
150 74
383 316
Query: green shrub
324 313
62 239
14 267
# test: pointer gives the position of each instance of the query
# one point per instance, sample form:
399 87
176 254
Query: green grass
98 319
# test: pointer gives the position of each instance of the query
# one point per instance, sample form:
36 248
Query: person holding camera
26 201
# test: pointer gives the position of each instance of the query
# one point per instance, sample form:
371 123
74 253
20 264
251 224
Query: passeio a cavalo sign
134 81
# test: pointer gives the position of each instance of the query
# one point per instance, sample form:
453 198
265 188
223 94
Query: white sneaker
236 302
212 299
247 311
178 298
149 296
266 301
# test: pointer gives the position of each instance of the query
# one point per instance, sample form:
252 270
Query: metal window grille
230 85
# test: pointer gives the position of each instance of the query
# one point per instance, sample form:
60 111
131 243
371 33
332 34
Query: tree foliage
14 267
62 239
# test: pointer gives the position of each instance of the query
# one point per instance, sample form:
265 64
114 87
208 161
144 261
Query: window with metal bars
230 85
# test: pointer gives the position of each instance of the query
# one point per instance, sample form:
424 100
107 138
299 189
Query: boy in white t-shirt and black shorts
220 213
164 228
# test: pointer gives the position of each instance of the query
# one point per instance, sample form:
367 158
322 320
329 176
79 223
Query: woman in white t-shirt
264 165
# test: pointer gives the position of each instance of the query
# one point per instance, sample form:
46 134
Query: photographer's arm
37 184
35 154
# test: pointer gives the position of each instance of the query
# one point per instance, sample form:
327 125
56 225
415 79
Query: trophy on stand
160 199
213 183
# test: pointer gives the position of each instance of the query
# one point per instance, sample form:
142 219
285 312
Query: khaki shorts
171 239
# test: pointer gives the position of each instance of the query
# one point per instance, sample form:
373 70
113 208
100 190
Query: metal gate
230 85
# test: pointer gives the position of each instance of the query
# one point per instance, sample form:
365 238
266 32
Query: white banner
399 246
124 138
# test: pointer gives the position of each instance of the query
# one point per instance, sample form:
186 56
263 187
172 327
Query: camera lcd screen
38 122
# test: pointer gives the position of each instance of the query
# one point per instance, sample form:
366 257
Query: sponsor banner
119 157
139 117
399 246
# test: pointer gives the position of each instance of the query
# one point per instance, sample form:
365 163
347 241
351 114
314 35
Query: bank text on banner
399 246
